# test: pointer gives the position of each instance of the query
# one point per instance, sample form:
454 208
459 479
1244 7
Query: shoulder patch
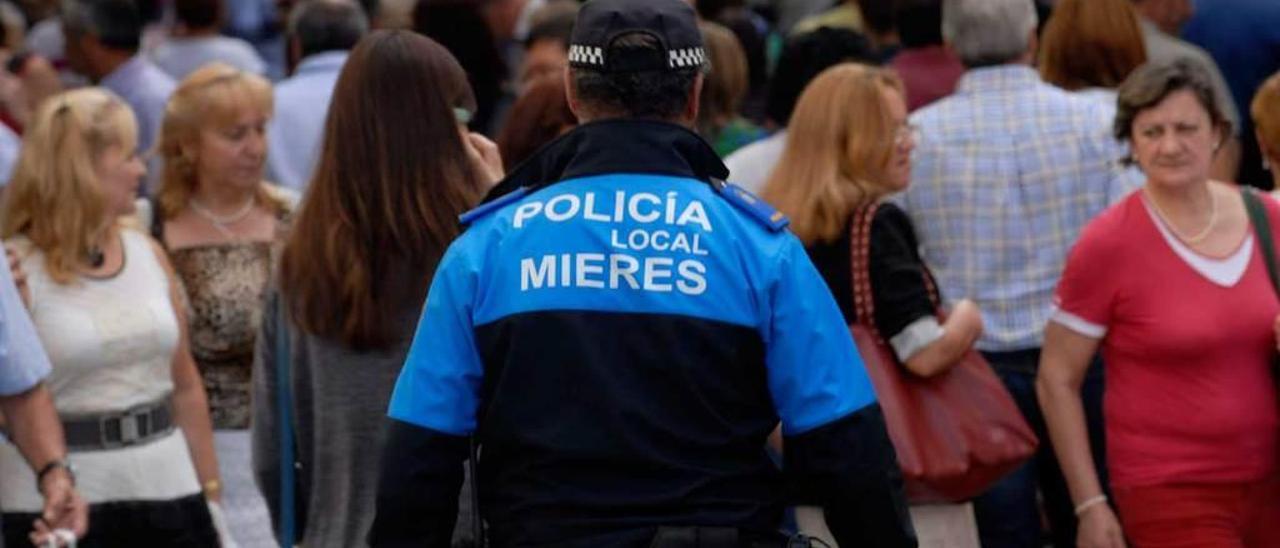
758 209
492 205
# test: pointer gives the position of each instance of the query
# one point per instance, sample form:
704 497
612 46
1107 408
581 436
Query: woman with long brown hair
396 169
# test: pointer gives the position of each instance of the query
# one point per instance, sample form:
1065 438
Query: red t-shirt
1190 394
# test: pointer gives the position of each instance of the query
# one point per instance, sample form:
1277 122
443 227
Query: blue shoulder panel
759 210
492 205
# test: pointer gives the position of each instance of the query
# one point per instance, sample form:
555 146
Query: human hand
64 510
1099 528
484 157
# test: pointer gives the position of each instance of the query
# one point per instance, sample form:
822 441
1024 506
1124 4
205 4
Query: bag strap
860 251
284 411
1262 229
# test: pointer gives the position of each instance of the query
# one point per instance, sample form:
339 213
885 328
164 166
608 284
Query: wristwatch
51 466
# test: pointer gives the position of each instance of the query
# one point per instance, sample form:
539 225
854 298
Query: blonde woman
221 224
106 306
849 146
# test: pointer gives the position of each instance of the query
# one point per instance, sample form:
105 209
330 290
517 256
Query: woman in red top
1170 283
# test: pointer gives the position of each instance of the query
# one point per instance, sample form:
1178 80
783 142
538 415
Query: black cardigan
897 283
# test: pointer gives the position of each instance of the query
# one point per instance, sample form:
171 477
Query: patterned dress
224 286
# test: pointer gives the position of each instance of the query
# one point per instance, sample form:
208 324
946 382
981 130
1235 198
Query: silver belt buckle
130 427
129 431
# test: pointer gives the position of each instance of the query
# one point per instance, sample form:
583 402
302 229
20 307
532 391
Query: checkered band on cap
687 57
587 55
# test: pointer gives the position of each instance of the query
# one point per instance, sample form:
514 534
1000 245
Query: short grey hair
988 32
327 25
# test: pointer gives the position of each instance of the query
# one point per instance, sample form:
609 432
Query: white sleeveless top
111 341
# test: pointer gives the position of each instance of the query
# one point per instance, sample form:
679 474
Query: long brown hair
839 142
384 201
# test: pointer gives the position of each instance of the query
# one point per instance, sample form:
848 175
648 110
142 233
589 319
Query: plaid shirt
1004 176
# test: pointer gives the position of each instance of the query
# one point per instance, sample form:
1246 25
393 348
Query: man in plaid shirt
1006 173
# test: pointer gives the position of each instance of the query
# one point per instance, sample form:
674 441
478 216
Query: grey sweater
340 402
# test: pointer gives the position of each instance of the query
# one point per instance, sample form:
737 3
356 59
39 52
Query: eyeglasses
904 133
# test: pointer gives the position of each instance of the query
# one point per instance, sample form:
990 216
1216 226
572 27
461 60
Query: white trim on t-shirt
1077 324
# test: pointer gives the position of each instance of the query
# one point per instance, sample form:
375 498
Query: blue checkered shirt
1005 174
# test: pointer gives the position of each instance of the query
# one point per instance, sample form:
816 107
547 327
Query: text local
619 270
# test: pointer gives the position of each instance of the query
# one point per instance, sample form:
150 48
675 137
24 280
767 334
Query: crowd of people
565 273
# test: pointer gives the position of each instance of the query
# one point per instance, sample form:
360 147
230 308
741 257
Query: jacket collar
617 146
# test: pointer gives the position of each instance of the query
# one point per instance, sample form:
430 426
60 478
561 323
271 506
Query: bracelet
1090 503
53 465
212 488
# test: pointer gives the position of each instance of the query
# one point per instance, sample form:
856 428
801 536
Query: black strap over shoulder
157 222
1262 229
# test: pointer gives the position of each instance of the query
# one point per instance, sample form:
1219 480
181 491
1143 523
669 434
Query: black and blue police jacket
620 331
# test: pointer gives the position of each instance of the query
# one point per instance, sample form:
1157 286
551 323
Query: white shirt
302 105
111 342
750 166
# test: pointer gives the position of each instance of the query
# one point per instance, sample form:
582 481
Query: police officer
621 330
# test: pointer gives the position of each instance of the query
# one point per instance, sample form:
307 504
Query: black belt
137 425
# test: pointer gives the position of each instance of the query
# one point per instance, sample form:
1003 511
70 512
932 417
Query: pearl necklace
1200 236
223 222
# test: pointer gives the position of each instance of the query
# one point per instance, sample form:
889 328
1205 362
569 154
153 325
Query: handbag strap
860 252
284 410
1262 229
